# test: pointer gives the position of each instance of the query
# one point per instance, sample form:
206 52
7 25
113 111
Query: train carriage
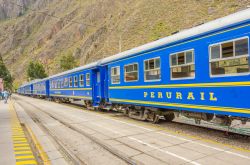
197 72
27 89
41 88
73 84
201 73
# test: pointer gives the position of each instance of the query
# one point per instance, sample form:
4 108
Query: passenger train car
41 88
26 89
201 73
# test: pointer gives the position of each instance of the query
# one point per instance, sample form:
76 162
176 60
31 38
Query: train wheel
156 119
169 117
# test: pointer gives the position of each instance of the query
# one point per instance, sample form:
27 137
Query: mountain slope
92 29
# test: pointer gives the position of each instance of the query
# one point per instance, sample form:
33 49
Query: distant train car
41 88
26 89
73 84
201 73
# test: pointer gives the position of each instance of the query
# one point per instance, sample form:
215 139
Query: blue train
201 73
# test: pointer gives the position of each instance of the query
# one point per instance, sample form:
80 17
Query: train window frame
66 82
58 84
133 71
70 81
75 81
87 79
152 69
112 75
181 65
55 84
228 58
81 80
62 83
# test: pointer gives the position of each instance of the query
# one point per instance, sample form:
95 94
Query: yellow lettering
190 96
169 95
145 94
212 97
152 94
178 95
202 95
160 95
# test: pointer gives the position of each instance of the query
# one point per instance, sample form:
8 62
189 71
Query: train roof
31 82
91 65
198 30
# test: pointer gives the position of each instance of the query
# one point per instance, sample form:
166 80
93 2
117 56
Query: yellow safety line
196 85
39 148
18 135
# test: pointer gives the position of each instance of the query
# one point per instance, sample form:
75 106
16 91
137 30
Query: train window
131 72
173 61
70 82
75 81
87 79
81 79
230 58
58 84
61 81
66 82
55 84
152 70
182 65
215 51
115 75
241 47
227 50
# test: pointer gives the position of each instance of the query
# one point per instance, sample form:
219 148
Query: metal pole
120 44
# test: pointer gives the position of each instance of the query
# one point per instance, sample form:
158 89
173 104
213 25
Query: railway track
70 155
227 131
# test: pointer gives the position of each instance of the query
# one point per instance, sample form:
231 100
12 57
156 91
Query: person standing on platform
6 96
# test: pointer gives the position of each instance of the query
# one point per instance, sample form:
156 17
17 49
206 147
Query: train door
96 74
99 87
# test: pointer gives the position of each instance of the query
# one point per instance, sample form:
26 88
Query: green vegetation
67 62
36 71
5 74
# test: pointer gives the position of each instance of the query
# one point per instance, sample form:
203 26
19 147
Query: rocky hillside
92 29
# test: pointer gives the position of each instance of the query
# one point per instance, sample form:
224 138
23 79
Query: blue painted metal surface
67 90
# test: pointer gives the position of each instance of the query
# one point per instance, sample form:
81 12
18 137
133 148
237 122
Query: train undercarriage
155 115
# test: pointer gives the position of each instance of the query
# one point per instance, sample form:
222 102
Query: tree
36 71
67 62
5 74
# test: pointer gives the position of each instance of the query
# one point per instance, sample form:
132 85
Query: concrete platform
7 155
54 156
14 147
